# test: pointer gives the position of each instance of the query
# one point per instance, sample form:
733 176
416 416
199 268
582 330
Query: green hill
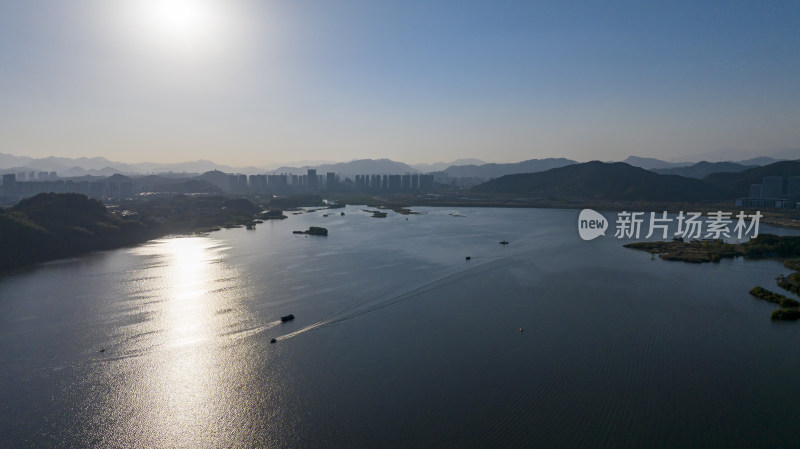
607 181
50 226
738 184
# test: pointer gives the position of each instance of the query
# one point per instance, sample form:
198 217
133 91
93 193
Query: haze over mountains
99 166
703 169
488 171
621 181
635 178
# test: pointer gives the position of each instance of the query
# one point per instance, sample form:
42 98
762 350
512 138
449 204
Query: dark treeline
50 226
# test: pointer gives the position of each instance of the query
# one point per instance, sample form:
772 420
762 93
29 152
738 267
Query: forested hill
50 226
601 180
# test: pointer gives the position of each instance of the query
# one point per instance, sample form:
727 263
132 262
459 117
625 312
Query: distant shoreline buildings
769 194
773 192
311 182
16 186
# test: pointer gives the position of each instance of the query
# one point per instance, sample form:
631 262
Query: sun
183 20
180 26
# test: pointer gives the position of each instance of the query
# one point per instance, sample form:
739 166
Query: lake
398 341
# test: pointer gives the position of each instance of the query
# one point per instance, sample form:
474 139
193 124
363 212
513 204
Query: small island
402 210
273 214
313 230
790 314
790 308
376 213
766 295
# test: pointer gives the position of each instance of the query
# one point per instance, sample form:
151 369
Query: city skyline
244 83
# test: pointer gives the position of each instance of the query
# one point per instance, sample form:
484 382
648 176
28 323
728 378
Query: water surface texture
398 341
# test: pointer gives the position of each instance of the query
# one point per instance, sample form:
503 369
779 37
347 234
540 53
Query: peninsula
763 246
52 226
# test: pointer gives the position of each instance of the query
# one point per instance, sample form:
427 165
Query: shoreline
403 205
787 218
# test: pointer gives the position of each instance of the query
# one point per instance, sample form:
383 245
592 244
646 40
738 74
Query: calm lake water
398 341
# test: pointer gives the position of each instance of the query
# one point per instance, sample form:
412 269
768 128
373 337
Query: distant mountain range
100 166
703 169
744 157
352 168
649 163
621 181
488 171
587 181
439 166
473 168
657 165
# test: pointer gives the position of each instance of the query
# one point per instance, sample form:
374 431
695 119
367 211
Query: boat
504 242
286 318
469 258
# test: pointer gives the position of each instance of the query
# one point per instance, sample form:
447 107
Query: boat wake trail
400 292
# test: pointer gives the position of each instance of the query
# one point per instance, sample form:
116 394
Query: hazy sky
254 82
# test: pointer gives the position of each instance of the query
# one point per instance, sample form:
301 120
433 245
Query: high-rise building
258 183
405 182
794 186
277 183
10 183
773 186
237 183
426 183
311 179
756 191
395 183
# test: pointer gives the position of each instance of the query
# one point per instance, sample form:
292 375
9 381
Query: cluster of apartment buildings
331 182
119 187
34 176
770 193
115 188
